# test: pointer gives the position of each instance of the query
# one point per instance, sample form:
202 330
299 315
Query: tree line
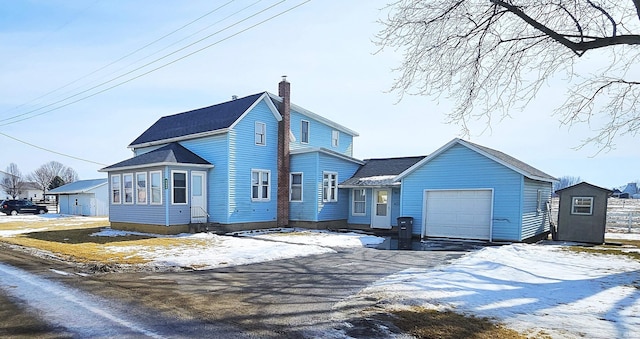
46 177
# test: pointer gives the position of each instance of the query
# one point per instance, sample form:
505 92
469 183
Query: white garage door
459 213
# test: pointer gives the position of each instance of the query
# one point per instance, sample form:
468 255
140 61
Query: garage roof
80 186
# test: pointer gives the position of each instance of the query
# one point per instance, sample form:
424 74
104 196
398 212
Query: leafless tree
13 182
69 175
565 181
43 176
493 56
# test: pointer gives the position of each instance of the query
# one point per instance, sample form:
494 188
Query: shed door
458 213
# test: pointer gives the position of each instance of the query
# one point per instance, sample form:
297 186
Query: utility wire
51 151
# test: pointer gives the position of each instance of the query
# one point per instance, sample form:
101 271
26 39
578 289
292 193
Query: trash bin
405 227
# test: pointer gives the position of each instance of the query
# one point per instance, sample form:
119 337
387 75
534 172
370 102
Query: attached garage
458 213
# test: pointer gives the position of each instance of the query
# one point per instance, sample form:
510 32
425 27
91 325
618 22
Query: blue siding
535 221
461 168
395 206
361 219
307 164
136 213
319 135
334 210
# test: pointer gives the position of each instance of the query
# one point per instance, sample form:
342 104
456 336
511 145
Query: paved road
287 298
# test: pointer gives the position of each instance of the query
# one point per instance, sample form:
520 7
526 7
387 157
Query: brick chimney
284 92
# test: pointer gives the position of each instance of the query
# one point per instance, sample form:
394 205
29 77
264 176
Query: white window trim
146 187
302 130
331 187
573 200
301 186
119 189
353 204
186 188
264 133
124 194
335 138
539 203
260 198
150 199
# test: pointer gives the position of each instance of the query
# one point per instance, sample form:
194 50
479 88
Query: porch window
359 202
329 187
179 184
335 138
582 205
116 189
261 133
295 192
304 132
260 185
127 179
141 188
156 187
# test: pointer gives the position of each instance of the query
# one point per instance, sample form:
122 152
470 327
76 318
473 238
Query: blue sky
324 47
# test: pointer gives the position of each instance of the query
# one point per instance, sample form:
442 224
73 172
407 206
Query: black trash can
405 227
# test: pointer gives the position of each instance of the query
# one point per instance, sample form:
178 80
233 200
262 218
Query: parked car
13 207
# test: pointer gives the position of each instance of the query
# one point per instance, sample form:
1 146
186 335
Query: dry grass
427 323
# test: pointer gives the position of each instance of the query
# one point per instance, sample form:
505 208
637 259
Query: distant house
83 197
260 161
31 191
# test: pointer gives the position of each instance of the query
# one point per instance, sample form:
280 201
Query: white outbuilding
83 197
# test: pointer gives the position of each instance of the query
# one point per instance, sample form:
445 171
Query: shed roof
80 186
380 172
585 184
171 154
502 158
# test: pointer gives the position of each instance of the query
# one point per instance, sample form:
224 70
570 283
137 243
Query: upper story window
156 187
116 189
141 188
295 190
304 131
335 138
261 133
179 187
260 185
127 180
359 202
329 187
582 205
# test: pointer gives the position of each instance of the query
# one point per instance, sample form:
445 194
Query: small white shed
83 197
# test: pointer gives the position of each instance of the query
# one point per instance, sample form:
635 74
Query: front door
381 216
198 197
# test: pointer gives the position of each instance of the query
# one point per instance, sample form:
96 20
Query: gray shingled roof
201 120
173 153
380 172
80 186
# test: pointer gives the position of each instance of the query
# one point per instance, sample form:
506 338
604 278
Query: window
260 185
335 138
582 205
261 133
539 202
329 187
359 202
179 187
127 180
304 132
116 189
141 188
156 188
295 191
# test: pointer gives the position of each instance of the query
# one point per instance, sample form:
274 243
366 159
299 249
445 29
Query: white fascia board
157 164
325 151
426 159
272 107
317 117
178 139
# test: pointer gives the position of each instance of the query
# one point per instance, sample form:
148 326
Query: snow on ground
317 237
537 289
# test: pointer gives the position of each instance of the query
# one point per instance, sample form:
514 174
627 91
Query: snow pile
539 287
320 238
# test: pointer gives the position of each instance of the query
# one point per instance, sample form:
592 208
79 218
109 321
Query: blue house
252 162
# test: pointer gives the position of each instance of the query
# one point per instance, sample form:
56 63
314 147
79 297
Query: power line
51 151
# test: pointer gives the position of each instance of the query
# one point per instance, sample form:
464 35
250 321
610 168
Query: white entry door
381 216
198 197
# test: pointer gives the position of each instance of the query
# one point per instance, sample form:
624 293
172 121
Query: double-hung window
304 132
335 138
359 202
295 191
260 185
261 133
582 205
127 180
141 188
329 187
156 187
179 186
116 189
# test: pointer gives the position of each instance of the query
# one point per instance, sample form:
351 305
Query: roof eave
325 151
178 139
157 164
